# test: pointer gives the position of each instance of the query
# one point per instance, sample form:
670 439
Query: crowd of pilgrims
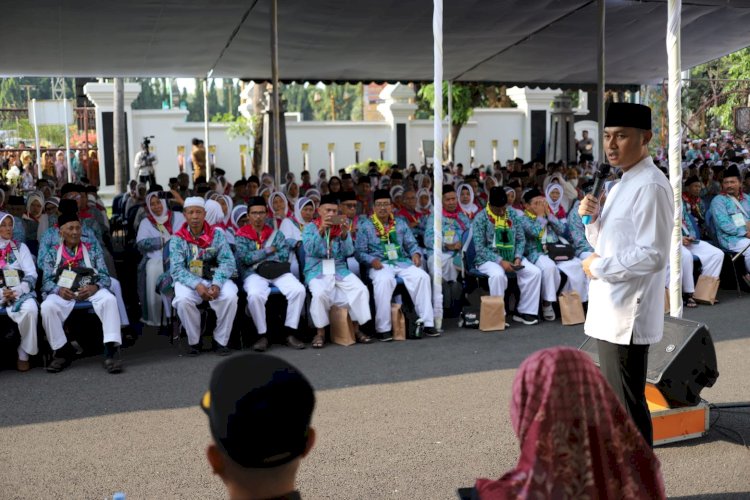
324 242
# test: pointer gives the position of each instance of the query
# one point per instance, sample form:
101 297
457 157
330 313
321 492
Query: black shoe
129 336
385 336
430 331
526 319
194 350
61 359
113 365
222 350
261 344
292 342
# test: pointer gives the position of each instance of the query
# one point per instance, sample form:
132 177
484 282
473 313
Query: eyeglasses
256 214
383 205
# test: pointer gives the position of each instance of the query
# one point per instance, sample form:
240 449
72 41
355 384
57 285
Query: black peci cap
259 409
625 114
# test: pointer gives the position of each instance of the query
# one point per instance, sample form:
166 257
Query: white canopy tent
546 42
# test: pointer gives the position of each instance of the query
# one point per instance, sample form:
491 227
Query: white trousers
711 258
349 292
117 292
529 282
686 263
417 282
738 247
27 319
551 278
154 269
258 289
186 301
353 266
55 310
450 273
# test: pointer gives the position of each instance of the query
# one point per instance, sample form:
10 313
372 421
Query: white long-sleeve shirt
632 236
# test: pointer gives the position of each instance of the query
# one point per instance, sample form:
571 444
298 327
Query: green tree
195 105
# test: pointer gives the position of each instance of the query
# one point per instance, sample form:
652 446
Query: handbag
560 252
270 269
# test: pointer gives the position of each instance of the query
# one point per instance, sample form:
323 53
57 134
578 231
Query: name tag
329 267
391 253
450 237
739 220
196 267
11 277
67 278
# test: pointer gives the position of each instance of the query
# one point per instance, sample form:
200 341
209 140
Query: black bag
271 270
560 252
84 276
469 318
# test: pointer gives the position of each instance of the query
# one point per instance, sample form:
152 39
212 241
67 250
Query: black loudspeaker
680 365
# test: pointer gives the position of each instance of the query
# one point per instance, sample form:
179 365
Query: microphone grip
586 219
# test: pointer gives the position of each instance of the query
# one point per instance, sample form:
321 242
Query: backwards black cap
346 196
255 392
625 114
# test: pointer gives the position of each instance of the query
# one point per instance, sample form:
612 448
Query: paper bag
492 314
571 308
398 322
342 328
667 305
706 289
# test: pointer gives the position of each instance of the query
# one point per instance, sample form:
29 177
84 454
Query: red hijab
577 440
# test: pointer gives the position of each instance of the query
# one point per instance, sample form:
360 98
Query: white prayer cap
194 201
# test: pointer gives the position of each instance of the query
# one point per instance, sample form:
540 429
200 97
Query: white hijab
3 216
298 206
164 217
424 208
214 213
470 207
554 205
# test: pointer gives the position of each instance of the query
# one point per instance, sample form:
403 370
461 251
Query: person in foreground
631 239
576 438
251 392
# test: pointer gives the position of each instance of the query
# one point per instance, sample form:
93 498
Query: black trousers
624 367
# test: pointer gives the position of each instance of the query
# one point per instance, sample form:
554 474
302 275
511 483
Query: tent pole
437 163
674 104
36 140
67 134
450 121
205 128
276 101
600 68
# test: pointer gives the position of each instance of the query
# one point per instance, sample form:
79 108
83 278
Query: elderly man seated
348 208
388 247
201 265
74 270
731 213
327 243
455 224
18 297
263 258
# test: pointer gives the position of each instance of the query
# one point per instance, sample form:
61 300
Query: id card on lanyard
329 264
196 264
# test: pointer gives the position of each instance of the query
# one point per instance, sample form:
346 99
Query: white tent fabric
510 41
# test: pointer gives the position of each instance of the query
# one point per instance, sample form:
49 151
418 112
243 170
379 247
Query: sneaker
548 313
385 336
526 319
431 332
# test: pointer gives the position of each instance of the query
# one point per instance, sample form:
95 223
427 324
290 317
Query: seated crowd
327 242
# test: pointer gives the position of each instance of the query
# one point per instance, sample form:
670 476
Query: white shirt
632 236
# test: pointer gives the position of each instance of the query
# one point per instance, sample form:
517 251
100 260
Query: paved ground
413 419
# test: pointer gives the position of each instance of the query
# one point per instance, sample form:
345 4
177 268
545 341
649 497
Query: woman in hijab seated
238 219
576 439
424 203
18 296
292 227
466 200
153 233
278 207
214 214
556 202
227 205
32 215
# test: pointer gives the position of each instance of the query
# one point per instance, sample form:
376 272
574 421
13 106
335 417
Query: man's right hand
507 266
202 290
589 206
377 265
66 293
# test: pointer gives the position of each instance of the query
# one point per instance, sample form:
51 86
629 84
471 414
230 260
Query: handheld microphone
601 175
